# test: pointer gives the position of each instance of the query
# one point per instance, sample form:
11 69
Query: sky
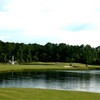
73 22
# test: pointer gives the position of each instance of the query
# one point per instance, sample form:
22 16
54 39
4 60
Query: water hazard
62 80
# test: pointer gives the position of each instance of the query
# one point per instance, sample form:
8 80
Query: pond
62 80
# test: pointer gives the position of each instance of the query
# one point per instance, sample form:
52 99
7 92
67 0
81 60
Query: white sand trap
68 66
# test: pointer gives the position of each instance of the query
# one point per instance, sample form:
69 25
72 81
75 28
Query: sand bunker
68 66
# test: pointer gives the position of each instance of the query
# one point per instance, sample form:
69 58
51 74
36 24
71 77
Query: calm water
63 80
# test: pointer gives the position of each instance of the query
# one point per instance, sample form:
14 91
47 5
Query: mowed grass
38 66
46 66
44 94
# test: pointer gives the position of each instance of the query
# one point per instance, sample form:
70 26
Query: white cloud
43 20
4 38
85 37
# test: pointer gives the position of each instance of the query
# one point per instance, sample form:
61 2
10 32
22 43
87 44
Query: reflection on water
64 80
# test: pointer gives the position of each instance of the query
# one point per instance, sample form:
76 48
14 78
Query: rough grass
44 94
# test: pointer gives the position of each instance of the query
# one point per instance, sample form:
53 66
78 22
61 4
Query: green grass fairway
42 94
33 66
46 66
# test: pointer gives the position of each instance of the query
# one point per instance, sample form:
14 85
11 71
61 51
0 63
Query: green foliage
49 52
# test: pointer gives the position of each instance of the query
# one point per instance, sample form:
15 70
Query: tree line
49 52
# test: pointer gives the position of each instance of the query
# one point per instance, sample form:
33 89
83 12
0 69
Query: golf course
49 50
45 94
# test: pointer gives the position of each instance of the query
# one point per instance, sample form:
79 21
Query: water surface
62 80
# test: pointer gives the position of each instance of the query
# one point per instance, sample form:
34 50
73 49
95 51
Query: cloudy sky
73 22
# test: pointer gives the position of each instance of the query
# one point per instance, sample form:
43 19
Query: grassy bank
36 66
47 66
42 94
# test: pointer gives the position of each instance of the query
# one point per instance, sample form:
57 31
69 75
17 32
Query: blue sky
2 4
73 22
